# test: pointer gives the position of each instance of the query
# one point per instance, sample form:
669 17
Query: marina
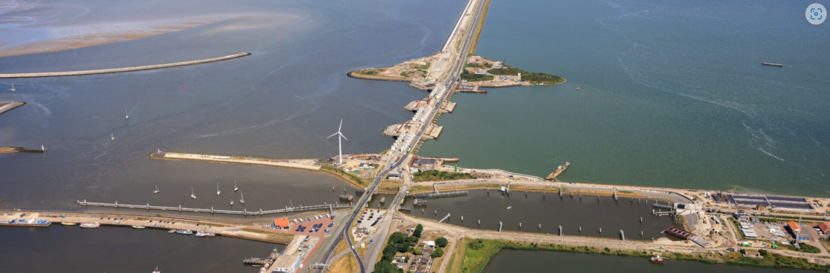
582 216
245 212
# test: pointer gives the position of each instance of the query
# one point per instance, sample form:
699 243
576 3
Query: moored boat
657 260
184 232
68 223
138 227
90 225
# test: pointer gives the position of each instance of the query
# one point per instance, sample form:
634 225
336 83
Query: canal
548 261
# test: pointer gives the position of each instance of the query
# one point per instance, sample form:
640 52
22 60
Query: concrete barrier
120 70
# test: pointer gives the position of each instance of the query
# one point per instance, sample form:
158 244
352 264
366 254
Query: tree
437 253
397 238
402 247
418 230
385 267
389 253
476 245
441 242
416 251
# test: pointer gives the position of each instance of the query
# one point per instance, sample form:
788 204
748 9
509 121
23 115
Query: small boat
657 260
12 89
127 113
208 234
772 64
68 223
138 227
172 231
231 202
200 234
235 188
192 195
157 270
42 148
90 225
217 189
112 137
509 207
184 232
157 190
242 198
578 88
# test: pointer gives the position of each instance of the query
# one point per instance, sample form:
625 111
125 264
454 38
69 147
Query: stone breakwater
120 70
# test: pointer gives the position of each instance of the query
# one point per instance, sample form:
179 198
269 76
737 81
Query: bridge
211 210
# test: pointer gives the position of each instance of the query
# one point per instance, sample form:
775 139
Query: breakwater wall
120 70
211 210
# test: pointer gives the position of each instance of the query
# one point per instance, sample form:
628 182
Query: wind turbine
339 140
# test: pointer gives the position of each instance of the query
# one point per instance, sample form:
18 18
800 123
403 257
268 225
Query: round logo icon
816 13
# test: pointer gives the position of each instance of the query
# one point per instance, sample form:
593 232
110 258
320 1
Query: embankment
120 70
377 77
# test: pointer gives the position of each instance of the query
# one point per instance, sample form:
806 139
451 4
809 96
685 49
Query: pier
120 70
216 211
445 218
440 194
6 106
262 261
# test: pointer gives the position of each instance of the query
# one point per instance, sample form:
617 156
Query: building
793 227
824 227
281 223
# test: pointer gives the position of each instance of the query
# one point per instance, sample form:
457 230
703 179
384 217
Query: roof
793 226
824 226
281 222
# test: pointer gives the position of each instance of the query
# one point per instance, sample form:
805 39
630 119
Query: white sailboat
157 190
157 270
192 195
112 136
217 189
127 113
235 188
241 198
42 148
231 202
12 89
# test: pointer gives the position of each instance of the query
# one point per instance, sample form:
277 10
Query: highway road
327 250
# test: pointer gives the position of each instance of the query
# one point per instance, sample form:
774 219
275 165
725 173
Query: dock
122 69
262 261
685 235
559 170
433 195
216 211
6 106
305 164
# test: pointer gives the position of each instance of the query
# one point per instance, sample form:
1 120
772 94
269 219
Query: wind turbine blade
332 135
341 134
341 125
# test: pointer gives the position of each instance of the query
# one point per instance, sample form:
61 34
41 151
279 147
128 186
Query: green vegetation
404 74
470 77
441 242
487 65
367 72
349 175
478 253
435 175
804 248
534 78
398 243
418 230
426 66
437 253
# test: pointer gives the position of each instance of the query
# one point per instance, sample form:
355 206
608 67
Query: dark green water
548 261
672 94
113 249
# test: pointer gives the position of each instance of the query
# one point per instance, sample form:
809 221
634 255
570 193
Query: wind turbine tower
340 138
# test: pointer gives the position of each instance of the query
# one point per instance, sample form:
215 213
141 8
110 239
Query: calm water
280 102
546 261
550 211
673 94
110 249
